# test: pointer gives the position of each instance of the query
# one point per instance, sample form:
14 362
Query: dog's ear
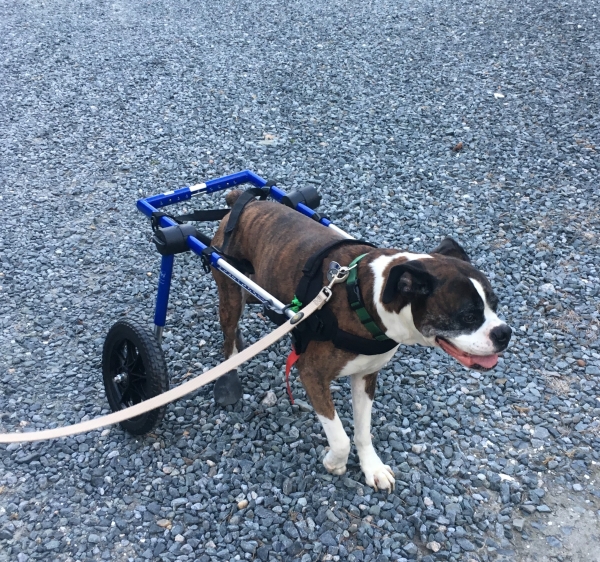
409 279
451 248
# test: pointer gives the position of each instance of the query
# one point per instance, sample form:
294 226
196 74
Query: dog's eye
469 318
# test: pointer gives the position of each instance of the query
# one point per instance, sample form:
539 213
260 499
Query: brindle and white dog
437 299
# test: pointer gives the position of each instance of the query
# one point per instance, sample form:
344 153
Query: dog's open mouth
479 362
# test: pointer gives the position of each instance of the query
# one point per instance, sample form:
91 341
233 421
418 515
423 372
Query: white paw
378 475
333 464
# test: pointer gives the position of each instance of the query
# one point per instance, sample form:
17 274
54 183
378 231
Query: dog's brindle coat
439 296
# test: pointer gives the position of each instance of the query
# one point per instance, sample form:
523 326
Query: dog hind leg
317 388
228 388
377 475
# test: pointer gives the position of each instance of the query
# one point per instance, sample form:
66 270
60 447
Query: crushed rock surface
478 120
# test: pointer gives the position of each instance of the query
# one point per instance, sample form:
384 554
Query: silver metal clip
340 276
338 273
332 272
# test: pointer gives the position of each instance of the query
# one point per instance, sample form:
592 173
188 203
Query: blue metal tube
170 197
256 179
145 207
164 287
218 184
227 181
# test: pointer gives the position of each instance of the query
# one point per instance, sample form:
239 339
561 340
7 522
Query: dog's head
440 299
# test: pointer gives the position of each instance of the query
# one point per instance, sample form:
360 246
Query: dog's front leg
319 393
377 475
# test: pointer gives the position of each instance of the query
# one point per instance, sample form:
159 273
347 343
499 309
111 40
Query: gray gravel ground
102 102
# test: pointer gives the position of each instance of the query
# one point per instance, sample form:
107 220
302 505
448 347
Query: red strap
291 359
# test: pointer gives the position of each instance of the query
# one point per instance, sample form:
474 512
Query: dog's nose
500 336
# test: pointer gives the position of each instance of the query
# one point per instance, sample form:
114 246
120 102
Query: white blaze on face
398 326
479 342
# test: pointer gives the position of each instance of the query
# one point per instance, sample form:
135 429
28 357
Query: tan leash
180 391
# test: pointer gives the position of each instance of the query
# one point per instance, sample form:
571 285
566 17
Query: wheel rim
128 375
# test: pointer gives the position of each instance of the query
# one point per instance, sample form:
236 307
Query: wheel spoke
119 359
132 354
136 389
138 366
141 391
126 396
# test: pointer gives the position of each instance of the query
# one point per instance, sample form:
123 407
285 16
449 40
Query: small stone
290 530
466 545
179 538
177 502
328 539
547 288
567 530
304 406
52 545
411 549
434 546
578 487
541 433
553 541
288 486
263 553
270 399
581 362
518 524
164 523
418 449
452 423
543 508
249 546
243 504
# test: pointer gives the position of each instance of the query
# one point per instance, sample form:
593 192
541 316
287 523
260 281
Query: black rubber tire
132 349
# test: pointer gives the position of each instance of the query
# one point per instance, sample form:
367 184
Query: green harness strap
356 302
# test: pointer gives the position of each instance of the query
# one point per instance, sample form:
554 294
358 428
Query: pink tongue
484 361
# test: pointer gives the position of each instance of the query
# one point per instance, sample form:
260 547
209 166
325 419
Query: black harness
321 325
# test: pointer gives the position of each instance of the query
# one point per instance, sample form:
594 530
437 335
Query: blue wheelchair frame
151 204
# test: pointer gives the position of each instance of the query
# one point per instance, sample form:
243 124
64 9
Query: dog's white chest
367 364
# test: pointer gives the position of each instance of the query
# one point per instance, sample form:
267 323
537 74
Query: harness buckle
205 258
